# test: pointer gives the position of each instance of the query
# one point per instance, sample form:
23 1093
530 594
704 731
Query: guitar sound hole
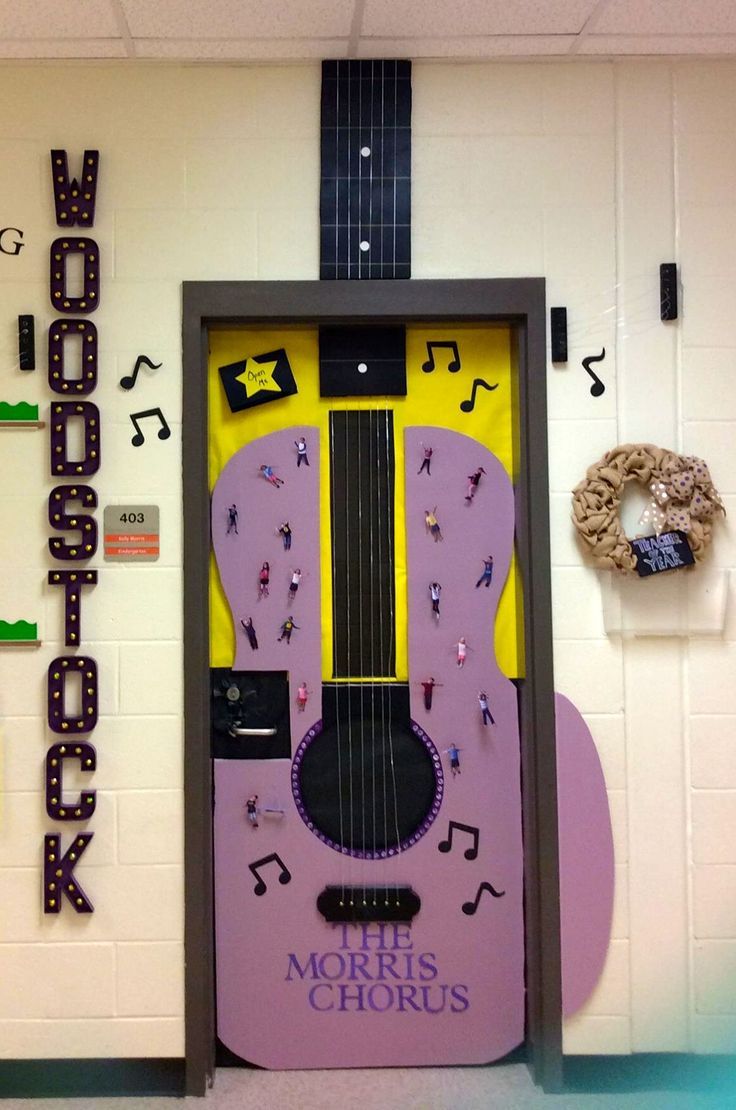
390 810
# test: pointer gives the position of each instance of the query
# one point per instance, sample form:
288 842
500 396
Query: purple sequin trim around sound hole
410 841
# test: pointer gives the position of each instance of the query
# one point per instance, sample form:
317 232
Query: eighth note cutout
471 830
598 388
129 380
438 345
470 907
469 405
163 433
284 874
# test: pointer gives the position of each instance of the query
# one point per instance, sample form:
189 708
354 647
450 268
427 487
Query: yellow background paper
432 398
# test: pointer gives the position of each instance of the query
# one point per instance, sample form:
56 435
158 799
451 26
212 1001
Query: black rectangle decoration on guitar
365 197
362 361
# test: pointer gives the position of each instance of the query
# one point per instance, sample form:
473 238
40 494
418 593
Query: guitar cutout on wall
368 861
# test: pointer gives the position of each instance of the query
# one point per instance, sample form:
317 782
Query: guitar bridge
368 903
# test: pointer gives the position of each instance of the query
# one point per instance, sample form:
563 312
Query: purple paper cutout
58 874
74 200
484 952
61 413
59 670
73 582
59 332
262 508
60 299
586 857
86 546
57 809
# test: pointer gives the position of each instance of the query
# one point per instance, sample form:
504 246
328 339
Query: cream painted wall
588 174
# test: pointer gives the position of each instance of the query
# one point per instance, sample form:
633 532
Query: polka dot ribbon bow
682 491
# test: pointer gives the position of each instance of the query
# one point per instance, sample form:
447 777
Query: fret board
365 194
363 564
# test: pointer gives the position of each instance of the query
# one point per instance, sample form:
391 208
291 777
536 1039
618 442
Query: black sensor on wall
668 291
26 343
558 333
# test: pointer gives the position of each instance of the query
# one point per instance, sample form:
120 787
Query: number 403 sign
131 533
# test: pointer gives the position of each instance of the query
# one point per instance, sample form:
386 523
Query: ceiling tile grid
292 30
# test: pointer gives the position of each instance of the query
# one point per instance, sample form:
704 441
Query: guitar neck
365 198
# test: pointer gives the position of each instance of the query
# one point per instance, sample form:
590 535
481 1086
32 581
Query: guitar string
383 160
360 170
396 84
348 183
337 172
375 587
349 637
373 593
336 657
361 667
391 634
384 777
370 180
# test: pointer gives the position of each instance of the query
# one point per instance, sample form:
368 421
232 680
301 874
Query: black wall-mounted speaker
26 343
668 291
558 333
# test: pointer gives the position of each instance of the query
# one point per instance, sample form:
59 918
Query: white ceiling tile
482 46
63 48
667 17
272 50
407 18
658 44
244 19
66 19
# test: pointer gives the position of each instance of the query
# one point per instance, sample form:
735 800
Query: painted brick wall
589 174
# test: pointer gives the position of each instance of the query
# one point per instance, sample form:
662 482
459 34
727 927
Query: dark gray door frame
521 304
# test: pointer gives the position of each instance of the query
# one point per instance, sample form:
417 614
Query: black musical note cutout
469 405
436 345
163 433
129 380
597 388
284 876
470 907
469 853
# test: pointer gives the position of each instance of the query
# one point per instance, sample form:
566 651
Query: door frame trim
520 303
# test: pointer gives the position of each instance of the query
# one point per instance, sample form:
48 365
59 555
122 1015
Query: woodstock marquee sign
70 507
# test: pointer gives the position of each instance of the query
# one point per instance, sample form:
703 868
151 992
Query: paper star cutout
258 377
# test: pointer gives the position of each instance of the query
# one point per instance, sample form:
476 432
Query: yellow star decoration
259 377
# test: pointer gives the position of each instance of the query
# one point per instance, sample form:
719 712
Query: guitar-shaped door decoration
377 921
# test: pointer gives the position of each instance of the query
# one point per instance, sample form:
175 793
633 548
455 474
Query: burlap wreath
683 497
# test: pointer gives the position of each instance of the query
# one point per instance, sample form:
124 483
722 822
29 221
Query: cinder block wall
588 174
